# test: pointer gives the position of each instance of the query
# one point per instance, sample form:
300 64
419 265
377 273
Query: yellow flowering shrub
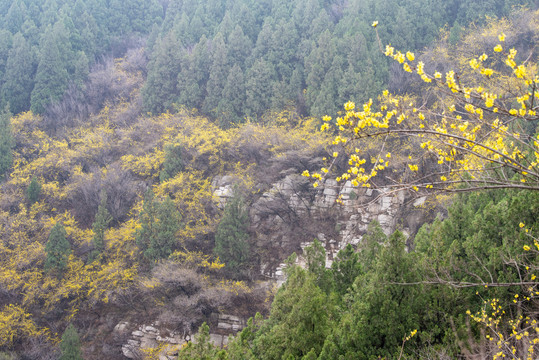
472 133
15 322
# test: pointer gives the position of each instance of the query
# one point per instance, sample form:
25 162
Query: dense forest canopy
230 59
120 120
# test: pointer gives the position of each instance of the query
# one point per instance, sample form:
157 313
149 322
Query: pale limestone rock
224 325
151 329
385 202
121 326
420 201
147 342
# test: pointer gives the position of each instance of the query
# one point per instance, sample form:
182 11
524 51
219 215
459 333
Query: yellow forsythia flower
410 56
474 64
520 71
349 106
374 24
498 48
487 72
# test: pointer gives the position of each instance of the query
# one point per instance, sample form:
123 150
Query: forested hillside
151 162
229 59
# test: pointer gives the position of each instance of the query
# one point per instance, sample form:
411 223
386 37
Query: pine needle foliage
57 249
231 237
70 344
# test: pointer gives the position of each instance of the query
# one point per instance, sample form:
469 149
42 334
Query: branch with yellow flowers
472 137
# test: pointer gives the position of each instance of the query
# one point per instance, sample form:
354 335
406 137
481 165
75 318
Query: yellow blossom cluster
473 130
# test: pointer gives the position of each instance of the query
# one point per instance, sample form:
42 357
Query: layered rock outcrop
291 214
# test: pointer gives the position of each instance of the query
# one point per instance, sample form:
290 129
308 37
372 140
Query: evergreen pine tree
147 220
345 269
326 101
299 322
202 349
6 42
15 16
160 221
218 76
52 76
230 108
194 75
173 163
70 344
317 66
102 220
231 237
239 46
57 249
164 239
258 88
33 191
160 90
316 264
19 75
371 245
6 142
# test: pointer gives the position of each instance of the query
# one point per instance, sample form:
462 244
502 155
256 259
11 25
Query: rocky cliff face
286 219
143 337
289 216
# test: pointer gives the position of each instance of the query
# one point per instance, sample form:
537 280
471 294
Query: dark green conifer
239 46
299 322
6 42
164 239
57 249
345 268
173 163
147 220
6 142
33 191
160 90
230 108
15 16
102 220
19 75
218 76
194 75
258 88
231 237
52 76
202 349
70 344
160 221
